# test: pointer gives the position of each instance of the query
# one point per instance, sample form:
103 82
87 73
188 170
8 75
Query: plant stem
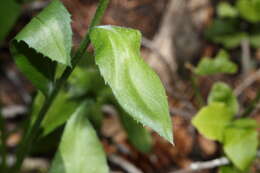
252 105
3 143
31 134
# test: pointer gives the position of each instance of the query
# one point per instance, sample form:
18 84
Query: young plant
42 51
235 23
217 121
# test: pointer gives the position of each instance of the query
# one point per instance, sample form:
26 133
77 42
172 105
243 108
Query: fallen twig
197 166
124 164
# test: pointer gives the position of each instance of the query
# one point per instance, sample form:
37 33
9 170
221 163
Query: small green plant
217 120
236 22
72 88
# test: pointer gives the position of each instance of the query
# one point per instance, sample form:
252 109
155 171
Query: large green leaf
221 92
45 40
212 120
58 113
80 150
137 134
220 64
135 85
240 143
9 12
249 9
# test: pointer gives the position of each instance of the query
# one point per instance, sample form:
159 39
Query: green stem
3 142
32 133
252 105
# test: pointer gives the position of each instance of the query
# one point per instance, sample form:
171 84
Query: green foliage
9 13
136 87
249 9
221 92
220 64
80 150
42 51
211 120
240 142
137 134
57 115
228 29
224 9
229 169
36 56
215 121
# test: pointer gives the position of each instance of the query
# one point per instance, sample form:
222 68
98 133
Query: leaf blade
212 120
40 45
79 150
136 87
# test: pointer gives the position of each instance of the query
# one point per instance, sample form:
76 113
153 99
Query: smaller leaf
245 123
47 39
220 64
138 135
58 113
255 40
9 13
221 92
212 120
85 80
224 9
230 41
240 143
249 9
80 150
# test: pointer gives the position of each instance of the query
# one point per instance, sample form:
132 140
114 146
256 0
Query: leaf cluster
236 22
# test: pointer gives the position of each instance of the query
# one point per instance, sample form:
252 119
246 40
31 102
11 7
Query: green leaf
220 64
135 85
229 169
58 113
221 92
255 40
45 40
138 135
9 13
80 150
85 80
240 144
249 9
212 120
220 27
245 123
230 41
224 9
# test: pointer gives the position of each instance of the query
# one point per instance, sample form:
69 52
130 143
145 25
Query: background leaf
58 113
220 64
240 144
80 150
9 13
138 135
224 9
212 120
135 85
249 9
221 92
47 38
